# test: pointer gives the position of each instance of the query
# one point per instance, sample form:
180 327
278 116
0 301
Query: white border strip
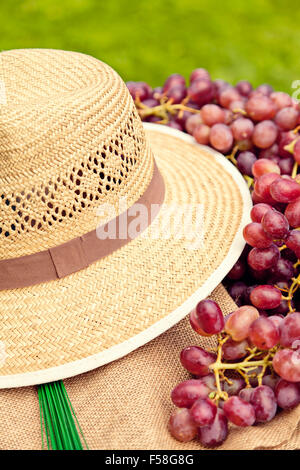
120 350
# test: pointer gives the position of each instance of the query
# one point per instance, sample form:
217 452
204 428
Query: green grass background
258 40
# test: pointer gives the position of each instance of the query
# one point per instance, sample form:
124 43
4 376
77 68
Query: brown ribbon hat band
79 253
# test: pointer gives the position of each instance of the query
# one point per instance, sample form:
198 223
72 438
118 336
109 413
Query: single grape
264 134
176 93
140 90
287 394
275 224
286 363
196 360
236 385
201 91
245 394
293 242
186 393
263 258
239 412
181 426
212 114
201 134
258 211
221 137
238 323
286 165
245 161
236 291
285 190
242 128
255 235
210 317
237 271
192 122
264 89
290 330
265 297
199 74
210 381
260 108
228 95
203 412
263 333
214 434
286 118
263 166
173 80
281 100
244 87
233 350
292 213
270 380
269 152
264 403
262 186
283 270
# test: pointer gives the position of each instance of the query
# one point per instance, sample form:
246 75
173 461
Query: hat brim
70 326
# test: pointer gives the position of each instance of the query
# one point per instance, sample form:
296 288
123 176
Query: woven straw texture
126 404
120 296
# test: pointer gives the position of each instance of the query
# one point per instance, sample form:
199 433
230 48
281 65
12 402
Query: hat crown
70 140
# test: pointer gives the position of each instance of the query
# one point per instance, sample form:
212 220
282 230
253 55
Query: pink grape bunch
261 353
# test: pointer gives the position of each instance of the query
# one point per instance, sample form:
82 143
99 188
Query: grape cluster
261 353
258 130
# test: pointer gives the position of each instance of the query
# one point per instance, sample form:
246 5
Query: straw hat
71 148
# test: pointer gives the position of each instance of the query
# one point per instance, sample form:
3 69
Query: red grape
187 392
201 134
236 385
196 360
244 87
270 380
264 89
287 394
263 333
265 297
176 93
236 291
238 324
260 108
269 152
263 166
237 271
199 74
221 137
233 350
215 433
286 165
203 412
286 118
258 211
242 128
245 394
255 235
210 317
281 100
173 80
192 122
264 403
286 363
293 242
290 330
228 95
201 91
212 114
275 224
292 213
239 412
285 190
282 271
262 186
263 258
139 90
245 161
264 134
181 426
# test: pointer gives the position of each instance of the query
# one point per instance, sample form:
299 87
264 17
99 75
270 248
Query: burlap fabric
126 404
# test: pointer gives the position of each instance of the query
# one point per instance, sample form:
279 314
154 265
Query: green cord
58 420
